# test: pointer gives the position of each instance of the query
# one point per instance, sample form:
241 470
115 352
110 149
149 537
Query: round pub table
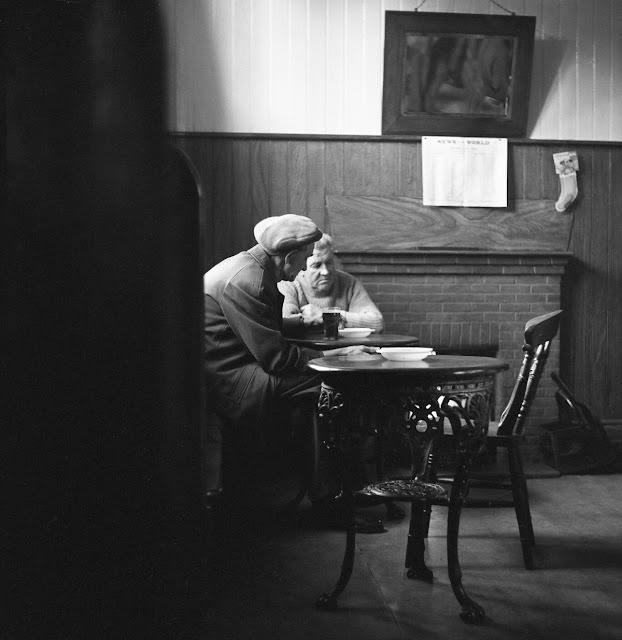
317 340
411 401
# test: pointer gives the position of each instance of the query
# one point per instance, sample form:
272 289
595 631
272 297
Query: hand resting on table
354 350
311 315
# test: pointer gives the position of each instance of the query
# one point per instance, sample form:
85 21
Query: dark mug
331 318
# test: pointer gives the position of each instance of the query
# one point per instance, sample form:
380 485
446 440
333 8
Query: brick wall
470 301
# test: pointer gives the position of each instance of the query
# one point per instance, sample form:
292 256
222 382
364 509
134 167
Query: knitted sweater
347 293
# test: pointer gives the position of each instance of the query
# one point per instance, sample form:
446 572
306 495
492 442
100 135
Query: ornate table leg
471 612
330 409
468 415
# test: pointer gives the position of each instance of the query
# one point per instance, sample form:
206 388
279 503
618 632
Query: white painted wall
315 66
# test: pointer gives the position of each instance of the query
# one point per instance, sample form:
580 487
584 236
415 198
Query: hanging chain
502 7
492 1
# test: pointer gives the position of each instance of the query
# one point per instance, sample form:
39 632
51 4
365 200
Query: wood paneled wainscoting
248 177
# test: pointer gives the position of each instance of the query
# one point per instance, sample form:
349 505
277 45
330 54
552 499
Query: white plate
355 332
406 353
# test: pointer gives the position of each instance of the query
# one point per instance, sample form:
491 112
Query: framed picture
456 73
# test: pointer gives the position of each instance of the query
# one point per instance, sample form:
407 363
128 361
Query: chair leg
521 505
415 547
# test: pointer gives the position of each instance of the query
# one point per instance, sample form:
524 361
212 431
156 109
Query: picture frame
456 73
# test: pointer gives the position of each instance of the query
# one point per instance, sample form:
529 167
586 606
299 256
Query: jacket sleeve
253 311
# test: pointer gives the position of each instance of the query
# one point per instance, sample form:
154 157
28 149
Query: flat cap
282 234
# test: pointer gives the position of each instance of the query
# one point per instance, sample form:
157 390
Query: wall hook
566 166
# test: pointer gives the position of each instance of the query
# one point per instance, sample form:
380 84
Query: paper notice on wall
464 172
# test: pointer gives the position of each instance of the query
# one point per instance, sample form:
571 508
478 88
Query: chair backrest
539 333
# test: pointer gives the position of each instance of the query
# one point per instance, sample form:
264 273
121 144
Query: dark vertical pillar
100 450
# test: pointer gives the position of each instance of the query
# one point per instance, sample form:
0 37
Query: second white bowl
406 353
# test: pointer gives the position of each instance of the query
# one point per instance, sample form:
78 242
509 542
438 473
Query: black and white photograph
313 319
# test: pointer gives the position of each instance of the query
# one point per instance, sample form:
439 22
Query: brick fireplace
462 300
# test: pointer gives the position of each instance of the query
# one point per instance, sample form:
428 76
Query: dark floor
264 581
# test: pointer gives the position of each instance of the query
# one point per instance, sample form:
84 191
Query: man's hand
350 351
311 315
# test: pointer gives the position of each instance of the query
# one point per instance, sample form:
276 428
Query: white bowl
406 353
355 332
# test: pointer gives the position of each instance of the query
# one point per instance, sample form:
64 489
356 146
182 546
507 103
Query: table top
432 367
319 341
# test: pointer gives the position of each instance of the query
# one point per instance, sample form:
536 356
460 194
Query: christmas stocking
566 166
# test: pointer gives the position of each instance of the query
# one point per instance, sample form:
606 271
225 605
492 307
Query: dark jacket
245 351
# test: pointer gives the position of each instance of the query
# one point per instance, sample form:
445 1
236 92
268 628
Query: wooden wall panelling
389 178
516 172
372 153
361 167
277 191
597 248
533 169
221 212
241 212
333 163
582 283
334 159
315 181
259 175
297 176
377 224
613 383
511 180
410 169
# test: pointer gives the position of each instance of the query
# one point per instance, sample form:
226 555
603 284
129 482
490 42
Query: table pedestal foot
420 573
472 613
327 602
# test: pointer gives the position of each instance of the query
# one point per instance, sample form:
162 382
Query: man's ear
289 257
283 262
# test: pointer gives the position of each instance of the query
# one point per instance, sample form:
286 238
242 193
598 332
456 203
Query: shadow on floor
267 572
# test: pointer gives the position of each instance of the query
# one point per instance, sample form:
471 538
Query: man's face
296 261
321 271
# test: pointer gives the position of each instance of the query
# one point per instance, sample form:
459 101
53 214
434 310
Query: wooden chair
507 434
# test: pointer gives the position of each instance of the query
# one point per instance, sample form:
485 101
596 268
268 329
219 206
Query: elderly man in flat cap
251 369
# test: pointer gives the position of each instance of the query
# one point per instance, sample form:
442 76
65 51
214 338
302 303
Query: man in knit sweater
322 285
